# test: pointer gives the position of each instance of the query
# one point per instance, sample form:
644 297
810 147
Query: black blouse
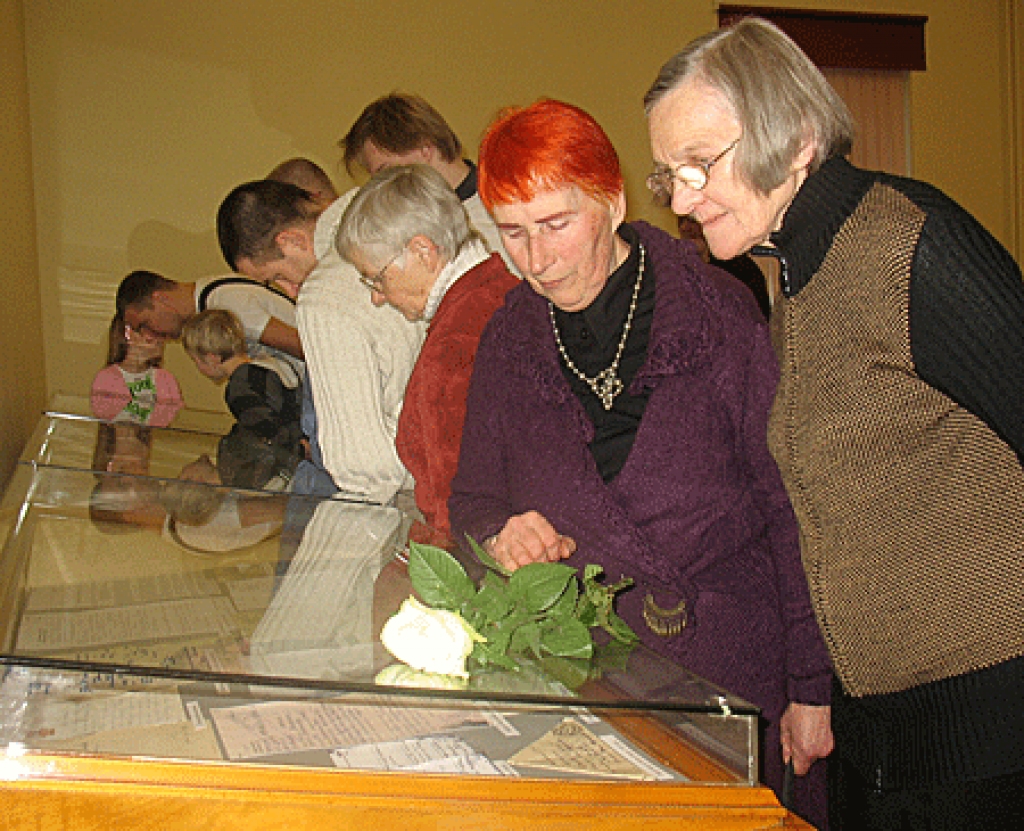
591 339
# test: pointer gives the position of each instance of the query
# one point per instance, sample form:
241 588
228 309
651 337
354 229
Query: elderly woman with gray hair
407 234
898 424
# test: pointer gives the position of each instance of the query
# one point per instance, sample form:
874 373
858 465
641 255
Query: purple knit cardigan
697 514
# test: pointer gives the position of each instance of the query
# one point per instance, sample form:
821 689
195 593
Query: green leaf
485 654
572 672
526 638
566 604
537 586
474 617
567 638
586 611
618 628
438 578
622 585
499 634
613 655
492 601
486 558
597 594
526 678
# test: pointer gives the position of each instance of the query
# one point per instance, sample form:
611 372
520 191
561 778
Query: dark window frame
846 40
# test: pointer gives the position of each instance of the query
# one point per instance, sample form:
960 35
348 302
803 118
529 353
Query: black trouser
986 805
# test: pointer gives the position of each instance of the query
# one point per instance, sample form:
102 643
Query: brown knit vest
911 509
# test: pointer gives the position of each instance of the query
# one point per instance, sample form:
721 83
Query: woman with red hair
617 415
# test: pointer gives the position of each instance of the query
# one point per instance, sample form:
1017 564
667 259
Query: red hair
547 145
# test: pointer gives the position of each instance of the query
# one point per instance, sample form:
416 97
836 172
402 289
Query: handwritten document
433 754
110 593
52 631
59 718
570 747
180 740
291 727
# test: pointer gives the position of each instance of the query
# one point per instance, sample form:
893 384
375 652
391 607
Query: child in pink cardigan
133 386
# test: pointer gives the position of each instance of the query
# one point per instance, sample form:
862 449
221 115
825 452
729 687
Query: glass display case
217 668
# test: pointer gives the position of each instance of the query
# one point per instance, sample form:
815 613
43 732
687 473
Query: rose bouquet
539 614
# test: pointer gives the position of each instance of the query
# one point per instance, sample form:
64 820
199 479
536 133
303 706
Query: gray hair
397 204
778 95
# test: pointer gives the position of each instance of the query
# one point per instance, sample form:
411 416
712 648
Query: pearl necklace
606 385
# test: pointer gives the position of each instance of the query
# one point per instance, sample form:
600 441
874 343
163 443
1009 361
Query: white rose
432 640
402 675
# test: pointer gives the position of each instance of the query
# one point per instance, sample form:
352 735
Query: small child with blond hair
262 394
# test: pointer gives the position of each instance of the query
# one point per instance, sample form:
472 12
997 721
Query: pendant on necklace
606 386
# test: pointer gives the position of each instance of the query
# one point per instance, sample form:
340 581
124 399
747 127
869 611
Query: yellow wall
144 114
22 371
1015 113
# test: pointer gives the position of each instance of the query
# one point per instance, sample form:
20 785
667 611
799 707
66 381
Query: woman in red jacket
408 235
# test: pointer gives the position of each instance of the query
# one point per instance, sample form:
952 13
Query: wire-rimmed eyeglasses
694 175
376 282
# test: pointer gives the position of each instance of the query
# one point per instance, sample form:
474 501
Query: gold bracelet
664 622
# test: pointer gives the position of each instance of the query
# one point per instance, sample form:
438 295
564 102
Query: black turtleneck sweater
467 187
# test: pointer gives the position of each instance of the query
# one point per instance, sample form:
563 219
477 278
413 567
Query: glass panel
85 443
187 418
235 458
126 629
134 714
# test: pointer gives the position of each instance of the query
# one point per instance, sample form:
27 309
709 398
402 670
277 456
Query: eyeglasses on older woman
695 175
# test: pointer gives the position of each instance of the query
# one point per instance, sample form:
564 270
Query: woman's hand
528 538
806 735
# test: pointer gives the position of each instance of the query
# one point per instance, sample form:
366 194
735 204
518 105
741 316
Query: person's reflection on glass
124 497
320 621
194 512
